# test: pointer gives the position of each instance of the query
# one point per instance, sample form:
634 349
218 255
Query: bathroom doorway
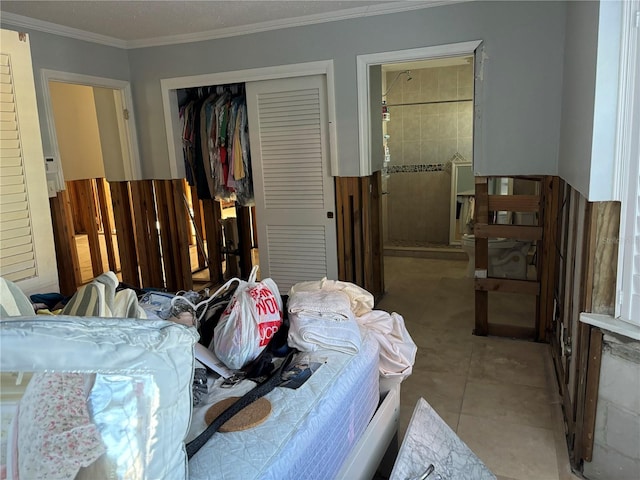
427 180
411 130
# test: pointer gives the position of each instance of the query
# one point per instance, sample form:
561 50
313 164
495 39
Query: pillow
55 433
143 371
88 301
12 301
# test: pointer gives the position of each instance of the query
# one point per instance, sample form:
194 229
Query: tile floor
497 394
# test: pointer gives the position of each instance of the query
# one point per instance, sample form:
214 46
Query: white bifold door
294 192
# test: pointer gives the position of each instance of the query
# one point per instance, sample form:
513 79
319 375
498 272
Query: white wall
523 75
74 110
106 102
590 90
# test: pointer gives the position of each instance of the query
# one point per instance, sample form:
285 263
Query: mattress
310 431
140 400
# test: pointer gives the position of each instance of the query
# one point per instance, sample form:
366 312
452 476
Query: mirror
462 201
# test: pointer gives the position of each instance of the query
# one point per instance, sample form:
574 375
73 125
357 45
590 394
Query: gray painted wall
521 97
577 99
523 74
589 100
54 52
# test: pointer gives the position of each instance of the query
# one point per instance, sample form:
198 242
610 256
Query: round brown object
250 416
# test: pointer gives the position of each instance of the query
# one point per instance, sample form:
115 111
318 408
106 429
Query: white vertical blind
17 258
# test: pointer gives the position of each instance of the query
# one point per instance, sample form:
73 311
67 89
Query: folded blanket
322 320
397 348
361 301
333 304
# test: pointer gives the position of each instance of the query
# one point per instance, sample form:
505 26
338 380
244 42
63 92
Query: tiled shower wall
422 140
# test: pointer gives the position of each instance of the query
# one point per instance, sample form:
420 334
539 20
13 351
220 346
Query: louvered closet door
295 200
27 255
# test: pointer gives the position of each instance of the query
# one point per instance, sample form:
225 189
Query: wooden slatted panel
507 285
89 215
481 257
69 276
103 202
357 231
199 223
341 224
291 140
592 384
243 222
519 232
359 228
181 237
167 222
297 254
123 219
514 203
547 270
213 231
17 256
147 237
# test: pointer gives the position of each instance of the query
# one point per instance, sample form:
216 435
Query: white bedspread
310 431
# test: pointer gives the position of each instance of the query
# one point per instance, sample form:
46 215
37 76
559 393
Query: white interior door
295 200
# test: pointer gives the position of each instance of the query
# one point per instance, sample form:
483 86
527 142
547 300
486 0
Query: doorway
427 126
92 138
420 152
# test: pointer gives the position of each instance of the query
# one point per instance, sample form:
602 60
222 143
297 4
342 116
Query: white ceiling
138 23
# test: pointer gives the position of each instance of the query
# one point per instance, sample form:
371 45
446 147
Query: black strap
251 396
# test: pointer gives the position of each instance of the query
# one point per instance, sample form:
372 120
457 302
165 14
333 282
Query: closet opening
291 130
219 194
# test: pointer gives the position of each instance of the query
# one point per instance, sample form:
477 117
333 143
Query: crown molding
56 29
357 12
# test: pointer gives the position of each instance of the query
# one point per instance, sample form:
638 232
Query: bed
310 431
336 425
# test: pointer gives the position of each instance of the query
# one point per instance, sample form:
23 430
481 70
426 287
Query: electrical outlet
51 188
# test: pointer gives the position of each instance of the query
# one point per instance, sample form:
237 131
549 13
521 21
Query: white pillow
143 379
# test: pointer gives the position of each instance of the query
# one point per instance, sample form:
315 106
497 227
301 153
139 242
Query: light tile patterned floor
497 394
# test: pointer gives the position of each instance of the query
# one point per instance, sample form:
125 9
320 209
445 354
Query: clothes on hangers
216 144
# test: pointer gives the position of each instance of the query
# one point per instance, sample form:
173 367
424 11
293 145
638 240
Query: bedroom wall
64 54
589 100
74 110
521 96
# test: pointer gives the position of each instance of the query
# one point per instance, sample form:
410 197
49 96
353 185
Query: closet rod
428 103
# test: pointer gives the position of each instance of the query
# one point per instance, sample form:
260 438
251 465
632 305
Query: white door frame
363 62
169 86
128 134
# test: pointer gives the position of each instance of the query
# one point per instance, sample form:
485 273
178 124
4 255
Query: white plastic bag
253 316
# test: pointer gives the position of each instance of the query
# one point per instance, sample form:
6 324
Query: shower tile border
434 167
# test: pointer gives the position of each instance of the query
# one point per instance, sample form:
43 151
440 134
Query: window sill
615 325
